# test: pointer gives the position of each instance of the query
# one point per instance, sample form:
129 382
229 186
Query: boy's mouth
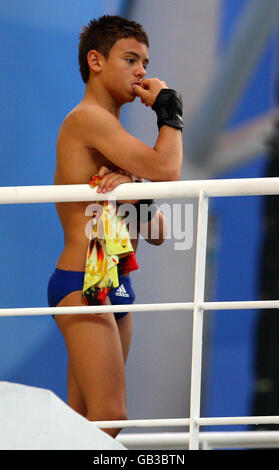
136 83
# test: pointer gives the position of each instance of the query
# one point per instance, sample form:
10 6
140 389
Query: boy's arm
109 180
100 130
153 227
155 230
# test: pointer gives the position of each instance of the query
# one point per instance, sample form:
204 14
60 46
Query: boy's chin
131 98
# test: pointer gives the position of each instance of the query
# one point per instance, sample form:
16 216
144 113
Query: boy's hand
149 89
107 180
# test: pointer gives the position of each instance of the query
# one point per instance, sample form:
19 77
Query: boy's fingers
149 89
107 182
120 179
111 181
102 183
146 82
103 170
140 91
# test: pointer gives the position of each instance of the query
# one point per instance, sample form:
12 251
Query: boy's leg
96 363
125 326
75 398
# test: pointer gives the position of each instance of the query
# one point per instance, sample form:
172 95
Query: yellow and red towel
104 252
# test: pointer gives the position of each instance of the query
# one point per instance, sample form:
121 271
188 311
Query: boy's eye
133 61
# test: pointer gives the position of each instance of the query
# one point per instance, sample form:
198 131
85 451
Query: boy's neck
95 94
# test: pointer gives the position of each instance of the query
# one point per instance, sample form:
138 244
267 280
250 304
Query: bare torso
75 165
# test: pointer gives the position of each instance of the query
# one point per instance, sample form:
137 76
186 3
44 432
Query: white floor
36 419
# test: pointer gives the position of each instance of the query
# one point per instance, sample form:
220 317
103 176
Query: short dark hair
102 33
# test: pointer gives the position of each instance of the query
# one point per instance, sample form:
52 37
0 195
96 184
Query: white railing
207 440
163 190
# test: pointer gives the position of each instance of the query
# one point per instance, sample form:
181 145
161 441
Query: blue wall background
230 376
40 83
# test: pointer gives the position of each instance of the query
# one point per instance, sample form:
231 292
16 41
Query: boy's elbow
169 173
156 241
173 174
173 170
166 168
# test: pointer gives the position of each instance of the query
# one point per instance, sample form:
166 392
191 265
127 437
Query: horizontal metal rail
207 440
222 421
158 190
158 307
142 423
94 309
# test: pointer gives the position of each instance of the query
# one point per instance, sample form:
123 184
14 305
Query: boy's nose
140 72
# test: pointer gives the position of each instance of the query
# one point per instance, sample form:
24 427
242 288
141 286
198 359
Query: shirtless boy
113 56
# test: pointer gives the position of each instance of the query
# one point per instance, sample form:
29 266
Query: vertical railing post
198 321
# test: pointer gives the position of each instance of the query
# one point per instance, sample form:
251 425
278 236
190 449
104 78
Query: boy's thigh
95 352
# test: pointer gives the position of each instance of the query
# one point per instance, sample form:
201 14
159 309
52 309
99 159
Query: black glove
168 107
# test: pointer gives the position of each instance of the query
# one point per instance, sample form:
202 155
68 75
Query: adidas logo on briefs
121 292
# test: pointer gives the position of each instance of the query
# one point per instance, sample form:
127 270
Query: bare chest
77 165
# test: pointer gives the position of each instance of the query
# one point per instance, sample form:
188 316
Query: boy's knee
110 412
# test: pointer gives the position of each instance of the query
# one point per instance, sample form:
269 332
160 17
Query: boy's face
125 66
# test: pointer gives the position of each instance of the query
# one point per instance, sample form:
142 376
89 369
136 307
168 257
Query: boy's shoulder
89 125
84 110
84 115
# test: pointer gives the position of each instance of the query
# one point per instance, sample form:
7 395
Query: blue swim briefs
63 283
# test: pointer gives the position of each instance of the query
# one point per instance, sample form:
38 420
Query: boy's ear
94 59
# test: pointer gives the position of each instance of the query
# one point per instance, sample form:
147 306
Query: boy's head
102 34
